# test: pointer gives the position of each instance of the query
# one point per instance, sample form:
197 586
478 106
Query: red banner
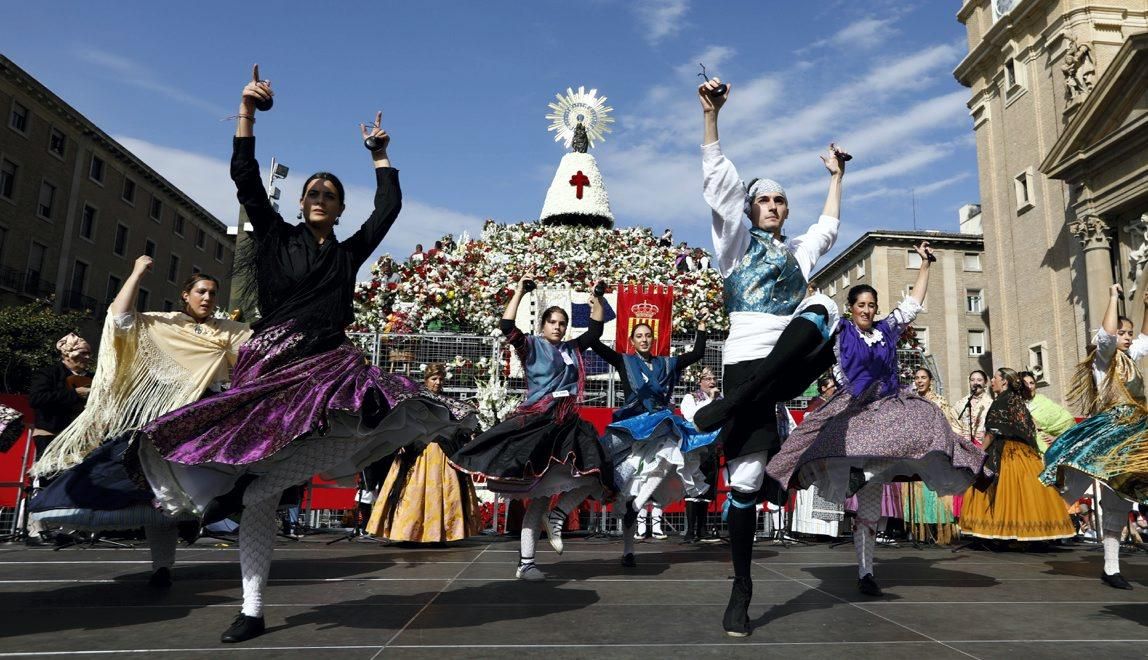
653 305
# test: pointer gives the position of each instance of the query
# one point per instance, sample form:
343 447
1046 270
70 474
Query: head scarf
71 345
759 187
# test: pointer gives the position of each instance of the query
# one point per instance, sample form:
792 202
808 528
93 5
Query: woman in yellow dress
424 499
1017 506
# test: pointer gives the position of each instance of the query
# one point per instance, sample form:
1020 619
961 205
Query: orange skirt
1018 506
436 504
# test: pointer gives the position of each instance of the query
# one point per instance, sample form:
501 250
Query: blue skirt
657 425
1109 446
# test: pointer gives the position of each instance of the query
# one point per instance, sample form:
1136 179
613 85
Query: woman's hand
382 139
255 92
524 282
712 103
1116 291
834 160
142 265
925 252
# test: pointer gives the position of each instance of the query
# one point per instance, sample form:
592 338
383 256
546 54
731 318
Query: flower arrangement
494 400
467 288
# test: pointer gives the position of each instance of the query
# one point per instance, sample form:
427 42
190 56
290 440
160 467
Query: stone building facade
954 327
1060 117
77 209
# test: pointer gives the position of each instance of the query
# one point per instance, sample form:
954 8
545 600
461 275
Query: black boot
1116 580
736 619
868 586
160 579
243 628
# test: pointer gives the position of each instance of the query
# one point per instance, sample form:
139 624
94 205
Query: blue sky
464 87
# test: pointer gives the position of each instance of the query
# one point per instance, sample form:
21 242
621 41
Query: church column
1095 237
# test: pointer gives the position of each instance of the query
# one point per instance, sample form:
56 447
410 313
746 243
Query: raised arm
244 168
835 164
594 331
722 187
1111 321
699 350
388 195
921 287
125 300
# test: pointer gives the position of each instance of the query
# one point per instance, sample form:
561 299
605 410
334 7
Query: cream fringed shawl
156 365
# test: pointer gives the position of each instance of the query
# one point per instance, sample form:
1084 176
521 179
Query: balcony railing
26 282
76 300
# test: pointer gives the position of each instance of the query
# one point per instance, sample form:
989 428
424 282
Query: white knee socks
531 521
162 538
865 533
256 541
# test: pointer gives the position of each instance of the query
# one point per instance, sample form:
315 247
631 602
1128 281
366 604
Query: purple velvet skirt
279 396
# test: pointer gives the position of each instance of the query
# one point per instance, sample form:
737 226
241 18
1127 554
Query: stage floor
356 600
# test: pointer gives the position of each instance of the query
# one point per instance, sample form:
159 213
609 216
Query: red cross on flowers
579 180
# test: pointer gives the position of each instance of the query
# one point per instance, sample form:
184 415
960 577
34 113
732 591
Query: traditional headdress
758 187
71 345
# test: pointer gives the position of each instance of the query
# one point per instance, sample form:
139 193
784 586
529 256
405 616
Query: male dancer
777 341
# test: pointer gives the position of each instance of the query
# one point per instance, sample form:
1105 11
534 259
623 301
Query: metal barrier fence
468 359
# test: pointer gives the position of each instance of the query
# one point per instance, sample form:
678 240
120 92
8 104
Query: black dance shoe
160 579
711 416
628 561
188 531
243 628
1116 581
736 619
868 586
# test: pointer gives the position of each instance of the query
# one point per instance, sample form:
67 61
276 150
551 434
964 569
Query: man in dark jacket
56 402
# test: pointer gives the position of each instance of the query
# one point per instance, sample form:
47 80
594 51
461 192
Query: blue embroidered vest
650 386
767 279
546 369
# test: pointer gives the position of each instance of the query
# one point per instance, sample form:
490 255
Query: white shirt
1106 349
690 406
752 335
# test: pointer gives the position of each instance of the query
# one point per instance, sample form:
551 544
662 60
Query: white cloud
713 57
133 73
865 33
661 18
208 181
920 191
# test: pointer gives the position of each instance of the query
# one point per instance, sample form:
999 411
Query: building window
173 268
79 279
142 300
1036 362
832 290
177 225
114 284
8 171
96 170
18 120
844 280
35 268
200 238
1025 193
974 303
972 262
912 260
156 212
149 248
976 343
47 200
860 271
57 142
922 335
219 251
3 240
1010 73
88 222
168 305
129 191
120 246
